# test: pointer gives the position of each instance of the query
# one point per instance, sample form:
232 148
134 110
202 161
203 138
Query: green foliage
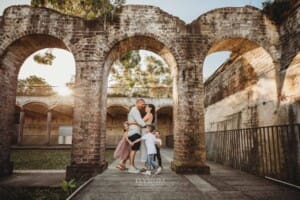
68 186
130 78
277 10
41 159
30 193
34 86
45 59
88 9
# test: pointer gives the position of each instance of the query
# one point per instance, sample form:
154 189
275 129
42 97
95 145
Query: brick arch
124 107
242 22
249 50
142 40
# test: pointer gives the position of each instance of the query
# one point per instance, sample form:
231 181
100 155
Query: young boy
150 141
157 146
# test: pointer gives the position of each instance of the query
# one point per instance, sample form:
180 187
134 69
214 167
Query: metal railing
272 151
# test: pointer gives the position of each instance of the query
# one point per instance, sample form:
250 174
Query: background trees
133 76
34 86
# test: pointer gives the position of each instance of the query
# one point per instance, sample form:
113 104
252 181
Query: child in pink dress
123 149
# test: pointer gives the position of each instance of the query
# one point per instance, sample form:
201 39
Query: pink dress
123 149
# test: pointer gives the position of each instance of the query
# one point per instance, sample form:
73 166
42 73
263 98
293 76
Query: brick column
88 142
21 127
7 110
49 121
189 137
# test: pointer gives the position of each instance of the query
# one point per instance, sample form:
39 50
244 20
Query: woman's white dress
143 149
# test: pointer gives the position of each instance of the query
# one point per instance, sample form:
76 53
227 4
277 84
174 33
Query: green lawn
46 159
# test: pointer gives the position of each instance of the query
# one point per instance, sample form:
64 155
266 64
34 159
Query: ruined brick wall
96 46
232 77
242 93
290 70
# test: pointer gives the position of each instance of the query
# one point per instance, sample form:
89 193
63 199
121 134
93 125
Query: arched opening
11 62
116 116
240 91
240 98
149 44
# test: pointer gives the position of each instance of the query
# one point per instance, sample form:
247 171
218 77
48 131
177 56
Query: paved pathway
223 183
34 178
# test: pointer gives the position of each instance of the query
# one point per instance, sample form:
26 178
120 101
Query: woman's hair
152 112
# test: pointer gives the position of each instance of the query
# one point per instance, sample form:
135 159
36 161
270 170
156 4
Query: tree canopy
132 76
34 86
88 9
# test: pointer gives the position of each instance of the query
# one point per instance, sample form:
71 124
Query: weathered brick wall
242 93
95 46
290 71
232 77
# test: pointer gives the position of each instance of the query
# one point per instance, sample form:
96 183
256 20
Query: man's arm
138 119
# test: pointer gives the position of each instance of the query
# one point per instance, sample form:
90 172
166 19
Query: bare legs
132 157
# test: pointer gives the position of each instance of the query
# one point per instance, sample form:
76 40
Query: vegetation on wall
277 10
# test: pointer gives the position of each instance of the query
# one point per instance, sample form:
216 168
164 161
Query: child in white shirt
150 141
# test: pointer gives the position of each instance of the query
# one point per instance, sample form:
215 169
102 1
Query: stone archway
95 46
11 60
250 76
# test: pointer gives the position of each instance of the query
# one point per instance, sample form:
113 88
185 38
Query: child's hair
124 124
150 127
157 131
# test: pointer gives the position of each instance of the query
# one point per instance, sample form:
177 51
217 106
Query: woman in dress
149 118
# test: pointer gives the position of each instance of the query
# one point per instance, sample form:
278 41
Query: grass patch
46 159
32 193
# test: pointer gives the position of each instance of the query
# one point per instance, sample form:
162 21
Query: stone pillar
7 110
189 137
88 139
21 127
49 121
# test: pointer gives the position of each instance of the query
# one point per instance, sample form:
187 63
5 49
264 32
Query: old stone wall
95 46
290 71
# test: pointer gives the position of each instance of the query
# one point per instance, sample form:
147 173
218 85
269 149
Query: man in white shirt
134 132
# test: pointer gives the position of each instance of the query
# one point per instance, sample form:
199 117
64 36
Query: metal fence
272 151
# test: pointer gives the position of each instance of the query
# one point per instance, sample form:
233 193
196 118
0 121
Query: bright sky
64 66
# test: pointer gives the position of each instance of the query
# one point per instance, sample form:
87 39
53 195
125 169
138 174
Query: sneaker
158 171
143 170
147 172
132 170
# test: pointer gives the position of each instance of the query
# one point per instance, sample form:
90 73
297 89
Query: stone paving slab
33 180
224 183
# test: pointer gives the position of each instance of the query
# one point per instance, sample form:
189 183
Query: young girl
123 149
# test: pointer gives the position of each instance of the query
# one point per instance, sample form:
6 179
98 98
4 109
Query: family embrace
140 134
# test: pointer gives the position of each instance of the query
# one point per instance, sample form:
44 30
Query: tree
130 76
34 86
88 9
45 59
277 10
